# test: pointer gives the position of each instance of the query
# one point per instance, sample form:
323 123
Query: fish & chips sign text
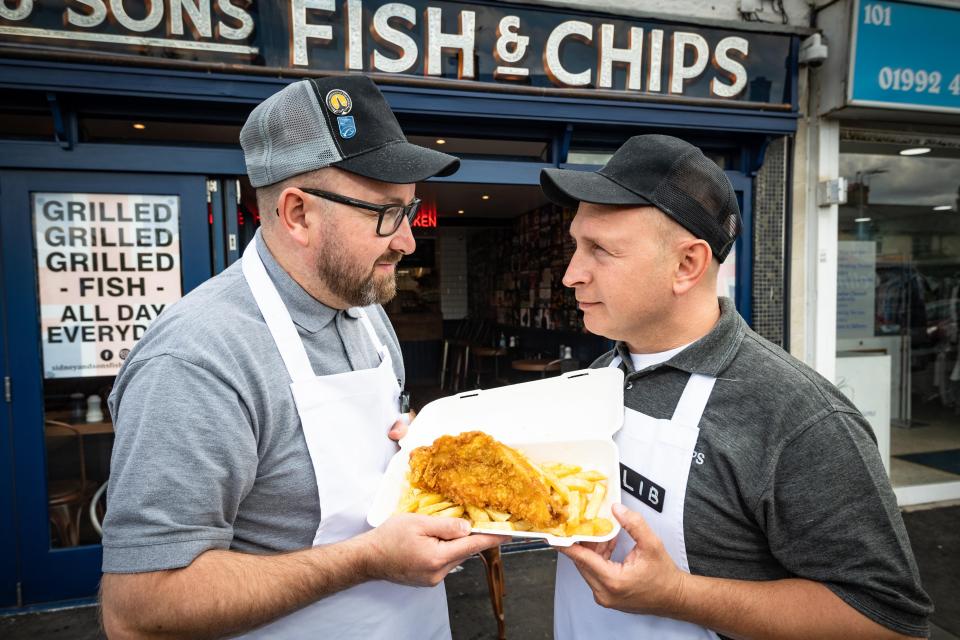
505 44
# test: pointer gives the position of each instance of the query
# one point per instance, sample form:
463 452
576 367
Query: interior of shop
480 303
899 297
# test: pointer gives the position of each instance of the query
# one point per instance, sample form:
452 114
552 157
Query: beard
356 284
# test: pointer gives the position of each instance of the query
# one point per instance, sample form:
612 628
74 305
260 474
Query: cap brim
569 188
400 163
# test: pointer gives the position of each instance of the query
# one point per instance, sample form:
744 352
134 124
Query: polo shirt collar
306 311
711 354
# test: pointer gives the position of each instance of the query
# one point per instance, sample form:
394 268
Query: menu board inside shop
856 288
107 266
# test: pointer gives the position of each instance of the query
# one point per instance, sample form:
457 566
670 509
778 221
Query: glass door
89 260
898 303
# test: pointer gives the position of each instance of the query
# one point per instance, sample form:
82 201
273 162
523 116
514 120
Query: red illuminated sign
426 217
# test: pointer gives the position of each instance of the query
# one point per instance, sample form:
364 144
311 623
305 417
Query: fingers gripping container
571 419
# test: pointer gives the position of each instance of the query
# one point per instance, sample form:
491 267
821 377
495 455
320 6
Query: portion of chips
582 493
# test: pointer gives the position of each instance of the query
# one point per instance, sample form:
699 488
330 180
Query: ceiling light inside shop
861 219
441 141
484 197
460 211
915 151
943 207
139 126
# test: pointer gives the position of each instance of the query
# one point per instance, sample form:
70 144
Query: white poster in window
865 380
107 265
856 288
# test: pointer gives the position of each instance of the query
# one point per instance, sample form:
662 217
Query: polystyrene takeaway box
570 419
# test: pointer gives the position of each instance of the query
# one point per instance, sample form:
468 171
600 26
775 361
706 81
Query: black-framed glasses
389 216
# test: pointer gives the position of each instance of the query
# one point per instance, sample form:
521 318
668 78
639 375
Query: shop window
78 433
25 115
129 130
592 156
529 150
898 299
29 126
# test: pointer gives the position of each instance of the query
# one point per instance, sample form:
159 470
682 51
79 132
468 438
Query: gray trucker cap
339 121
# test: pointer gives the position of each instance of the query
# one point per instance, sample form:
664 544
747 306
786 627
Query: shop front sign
518 48
905 56
107 265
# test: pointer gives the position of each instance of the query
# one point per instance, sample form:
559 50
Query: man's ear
694 258
292 215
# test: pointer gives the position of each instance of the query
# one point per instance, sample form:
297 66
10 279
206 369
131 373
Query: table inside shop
84 428
102 448
536 365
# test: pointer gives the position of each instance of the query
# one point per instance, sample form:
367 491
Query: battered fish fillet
474 469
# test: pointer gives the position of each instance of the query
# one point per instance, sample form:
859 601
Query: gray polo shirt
786 480
209 453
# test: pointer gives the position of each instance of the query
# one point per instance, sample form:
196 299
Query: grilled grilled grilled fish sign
526 48
107 266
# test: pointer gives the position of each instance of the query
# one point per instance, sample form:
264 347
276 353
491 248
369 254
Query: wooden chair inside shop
483 355
456 352
67 496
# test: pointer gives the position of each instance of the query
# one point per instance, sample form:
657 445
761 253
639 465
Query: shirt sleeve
184 457
831 516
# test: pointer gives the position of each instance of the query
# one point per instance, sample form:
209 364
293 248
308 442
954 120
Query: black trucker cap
339 121
661 171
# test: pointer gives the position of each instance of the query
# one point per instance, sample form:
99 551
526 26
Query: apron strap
374 338
276 315
694 399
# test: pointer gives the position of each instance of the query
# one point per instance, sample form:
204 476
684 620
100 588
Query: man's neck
294 266
684 326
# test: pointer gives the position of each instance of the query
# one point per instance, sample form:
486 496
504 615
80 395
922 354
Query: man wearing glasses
252 419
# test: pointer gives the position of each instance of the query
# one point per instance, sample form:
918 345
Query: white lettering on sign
631 56
577 30
394 39
90 14
401 38
95 14
679 70
24 9
919 80
354 51
735 70
197 10
150 21
107 265
303 31
437 41
510 51
240 15
655 64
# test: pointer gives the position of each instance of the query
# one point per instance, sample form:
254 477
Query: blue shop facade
122 188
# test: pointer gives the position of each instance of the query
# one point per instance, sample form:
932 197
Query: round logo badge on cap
339 102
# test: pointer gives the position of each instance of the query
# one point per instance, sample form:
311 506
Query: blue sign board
905 56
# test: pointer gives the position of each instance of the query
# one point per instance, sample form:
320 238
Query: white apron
655 460
345 419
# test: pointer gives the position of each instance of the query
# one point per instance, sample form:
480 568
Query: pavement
529 579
